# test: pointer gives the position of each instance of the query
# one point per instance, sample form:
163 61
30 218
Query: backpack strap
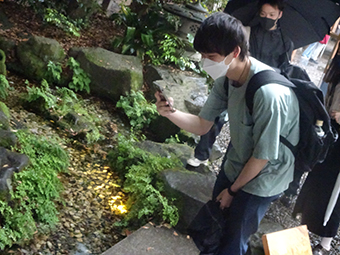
260 79
263 78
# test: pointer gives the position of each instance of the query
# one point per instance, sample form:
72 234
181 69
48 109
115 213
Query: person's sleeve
286 57
268 117
217 101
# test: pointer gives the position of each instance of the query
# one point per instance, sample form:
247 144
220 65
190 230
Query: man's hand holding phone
164 103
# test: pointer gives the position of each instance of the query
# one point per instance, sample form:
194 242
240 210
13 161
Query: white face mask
215 69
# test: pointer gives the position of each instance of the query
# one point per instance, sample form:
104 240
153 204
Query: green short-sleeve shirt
275 113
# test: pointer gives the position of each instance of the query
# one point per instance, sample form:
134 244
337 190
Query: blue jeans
204 146
244 216
309 50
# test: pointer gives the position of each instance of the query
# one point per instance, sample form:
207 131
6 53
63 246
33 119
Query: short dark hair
280 4
221 33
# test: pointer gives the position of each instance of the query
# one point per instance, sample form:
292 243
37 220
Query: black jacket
270 47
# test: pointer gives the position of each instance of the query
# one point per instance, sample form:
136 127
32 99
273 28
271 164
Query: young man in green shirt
258 168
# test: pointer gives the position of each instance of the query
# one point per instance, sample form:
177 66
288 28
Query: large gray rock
7 138
180 151
34 55
195 101
182 88
7 45
112 74
192 190
181 84
10 162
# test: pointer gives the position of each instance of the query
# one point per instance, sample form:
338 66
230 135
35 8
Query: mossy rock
35 54
112 75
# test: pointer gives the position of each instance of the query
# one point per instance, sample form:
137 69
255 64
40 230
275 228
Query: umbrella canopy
303 21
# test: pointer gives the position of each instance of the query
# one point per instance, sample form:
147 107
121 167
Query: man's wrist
231 193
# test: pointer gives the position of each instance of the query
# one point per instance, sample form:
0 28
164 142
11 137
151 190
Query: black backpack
311 149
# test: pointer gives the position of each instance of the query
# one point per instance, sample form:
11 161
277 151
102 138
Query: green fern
139 111
53 73
36 190
4 86
43 93
140 170
80 79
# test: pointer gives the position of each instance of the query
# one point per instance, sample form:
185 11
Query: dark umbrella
303 21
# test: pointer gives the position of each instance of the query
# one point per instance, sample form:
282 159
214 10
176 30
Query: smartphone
161 86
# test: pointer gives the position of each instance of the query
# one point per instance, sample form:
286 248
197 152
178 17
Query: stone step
154 240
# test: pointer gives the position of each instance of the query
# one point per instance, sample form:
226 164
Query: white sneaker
195 162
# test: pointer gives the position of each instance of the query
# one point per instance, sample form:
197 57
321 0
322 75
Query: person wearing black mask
266 42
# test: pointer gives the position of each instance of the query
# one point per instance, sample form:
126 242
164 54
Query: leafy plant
40 6
4 86
173 139
171 50
53 73
43 94
36 189
58 19
4 109
139 111
62 102
146 191
144 29
80 79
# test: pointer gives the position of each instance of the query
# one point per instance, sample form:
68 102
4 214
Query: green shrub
60 103
43 95
140 170
52 16
143 29
36 190
53 74
40 6
139 111
80 79
4 86
150 35
170 51
5 110
61 13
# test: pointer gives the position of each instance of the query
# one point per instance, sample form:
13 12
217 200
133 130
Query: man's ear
280 15
237 51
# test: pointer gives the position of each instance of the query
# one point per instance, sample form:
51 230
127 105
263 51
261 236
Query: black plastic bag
206 229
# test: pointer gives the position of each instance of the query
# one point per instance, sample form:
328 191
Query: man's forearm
191 123
249 172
